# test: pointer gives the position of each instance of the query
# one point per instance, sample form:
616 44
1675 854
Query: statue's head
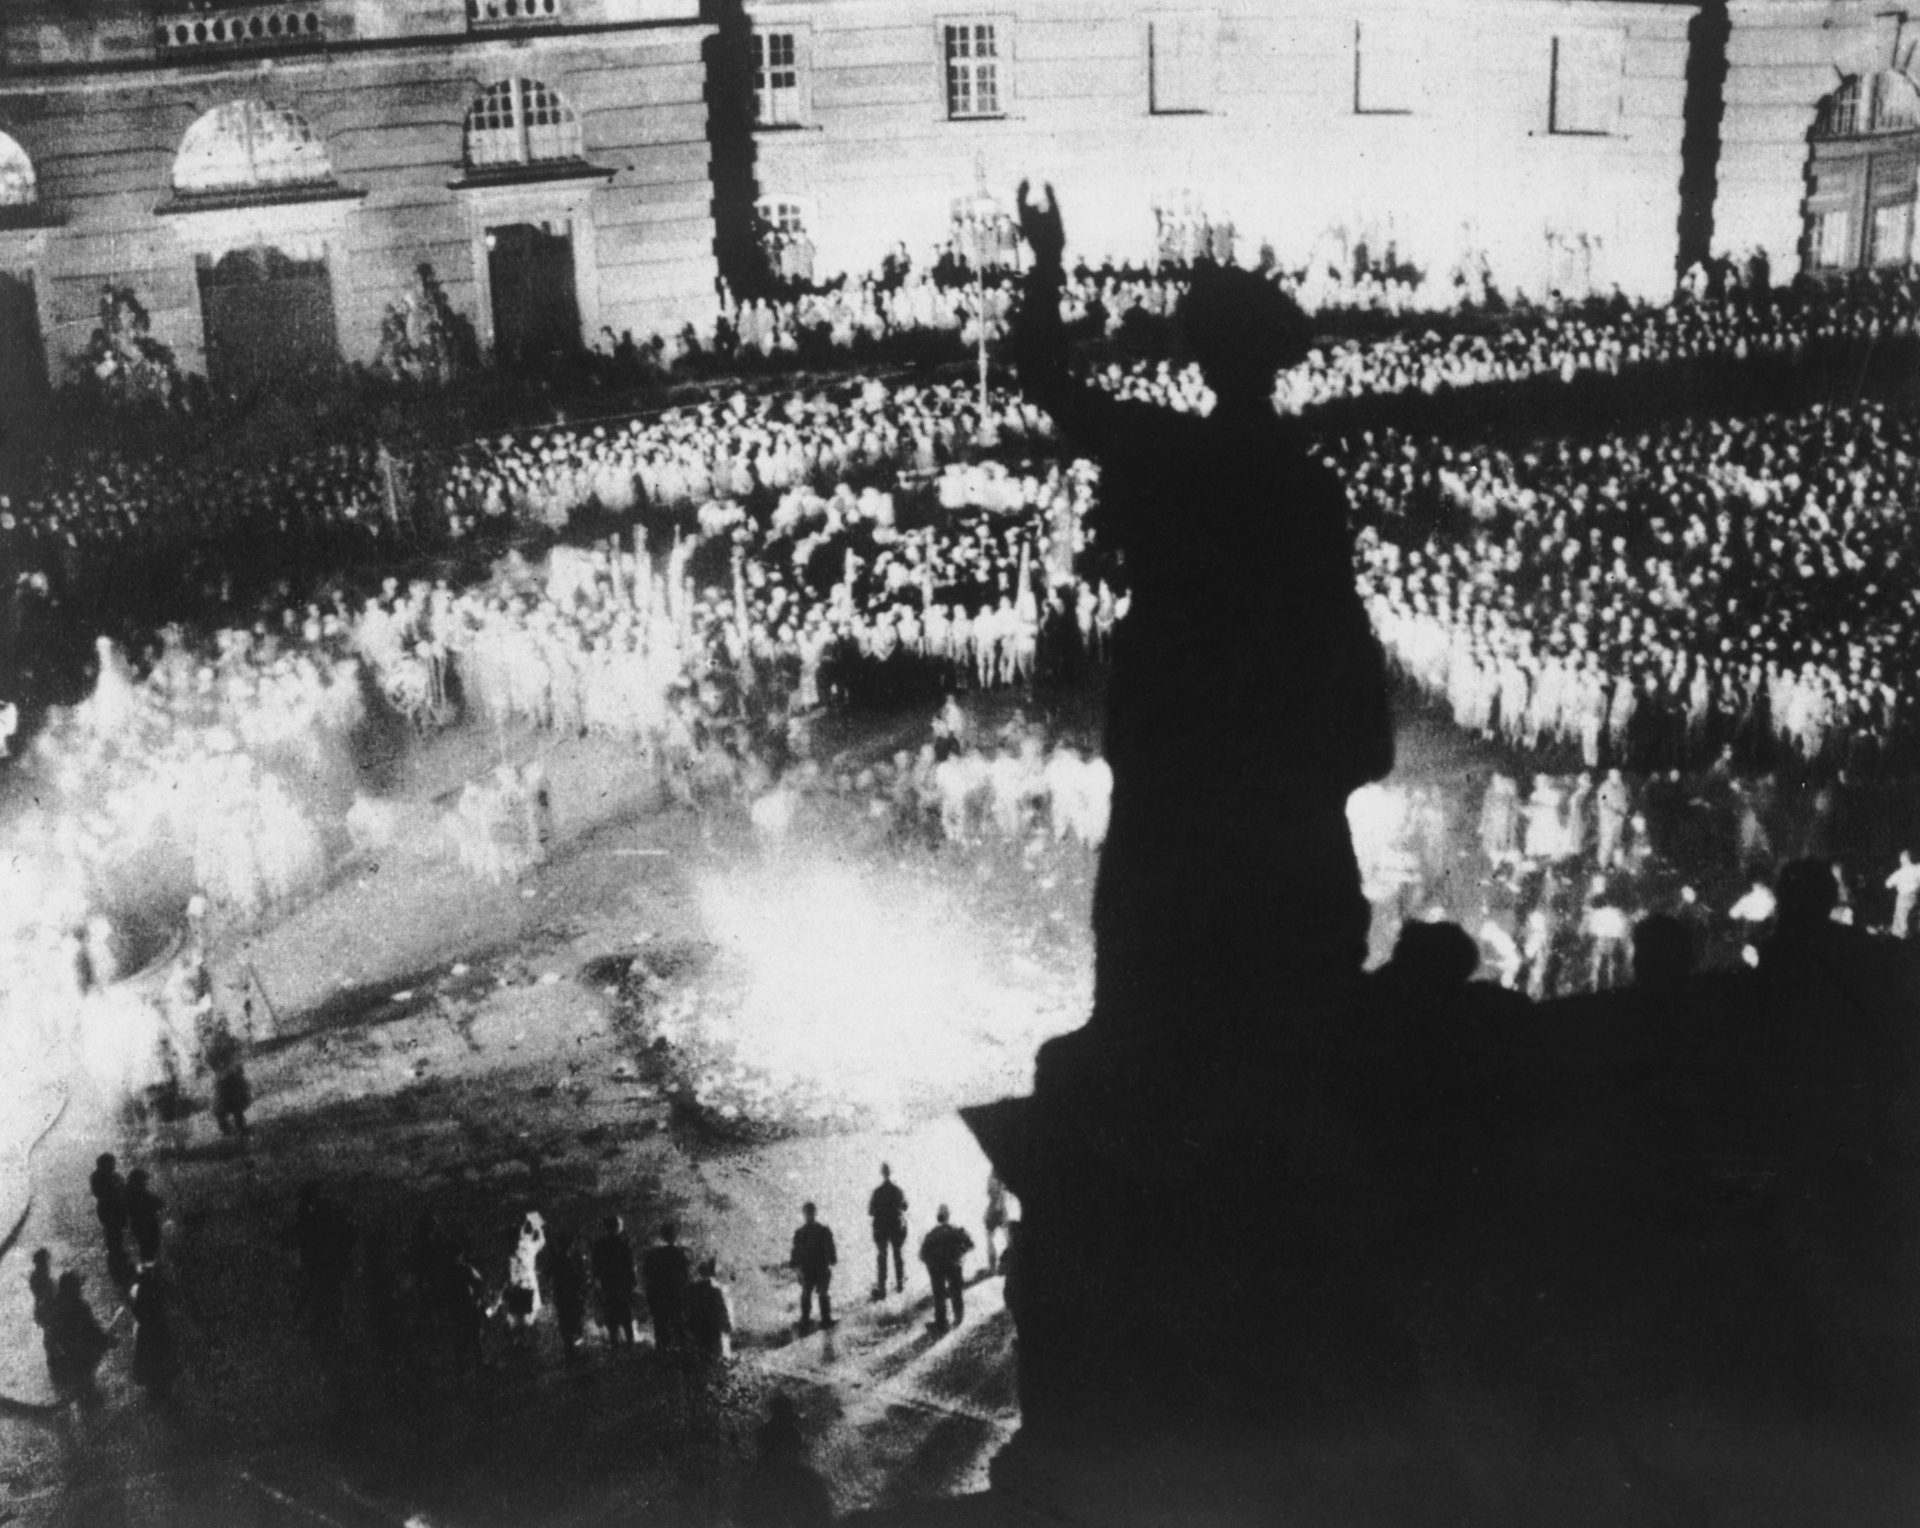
1242 329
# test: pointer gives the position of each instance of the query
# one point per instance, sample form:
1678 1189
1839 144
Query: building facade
268 179
1543 134
1820 139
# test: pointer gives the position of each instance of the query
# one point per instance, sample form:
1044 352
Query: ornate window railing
504 15
253 26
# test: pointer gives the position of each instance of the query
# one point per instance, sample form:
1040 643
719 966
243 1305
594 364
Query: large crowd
1654 598
109 542
1644 601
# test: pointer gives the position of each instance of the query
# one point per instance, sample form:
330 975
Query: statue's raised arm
1039 337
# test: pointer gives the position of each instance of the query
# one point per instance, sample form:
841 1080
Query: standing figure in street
156 1356
522 1293
569 1285
143 1215
613 1272
1611 804
74 1343
40 1284
110 1203
887 1209
232 1097
812 1257
665 1274
995 1221
710 1316
1904 883
943 1250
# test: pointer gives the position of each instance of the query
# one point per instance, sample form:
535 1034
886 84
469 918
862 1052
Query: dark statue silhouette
1248 696
1279 1216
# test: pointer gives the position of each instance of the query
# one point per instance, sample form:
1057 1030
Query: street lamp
981 218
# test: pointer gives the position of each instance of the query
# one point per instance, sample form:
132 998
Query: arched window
1840 116
1864 175
519 122
1887 102
17 185
249 146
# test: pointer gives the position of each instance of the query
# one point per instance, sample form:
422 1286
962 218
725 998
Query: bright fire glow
870 992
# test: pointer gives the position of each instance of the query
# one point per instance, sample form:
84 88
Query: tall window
1386 79
1180 57
1864 174
776 78
519 122
1586 70
784 243
973 69
17 185
249 146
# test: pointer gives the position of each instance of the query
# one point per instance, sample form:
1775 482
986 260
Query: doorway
536 311
268 316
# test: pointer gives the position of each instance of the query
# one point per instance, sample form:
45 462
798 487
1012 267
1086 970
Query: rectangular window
1827 240
1386 80
973 69
1890 190
1584 83
776 78
1180 58
1892 234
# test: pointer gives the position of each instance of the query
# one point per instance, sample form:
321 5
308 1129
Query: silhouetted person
783 1490
944 1250
709 1315
887 1209
569 1285
110 1204
232 1098
994 1222
812 1257
665 1273
613 1272
143 1215
156 1356
1432 960
40 1283
1663 953
74 1342
1248 696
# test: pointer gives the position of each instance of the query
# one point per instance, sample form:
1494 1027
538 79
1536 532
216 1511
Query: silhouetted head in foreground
1434 959
1241 329
1807 895
1662 953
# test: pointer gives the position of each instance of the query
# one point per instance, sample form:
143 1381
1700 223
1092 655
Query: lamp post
981 216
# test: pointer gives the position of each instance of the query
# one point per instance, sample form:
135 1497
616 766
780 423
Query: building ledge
503 177
255 201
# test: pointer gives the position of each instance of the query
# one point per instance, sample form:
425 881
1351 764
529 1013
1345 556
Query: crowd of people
1652 598
113 543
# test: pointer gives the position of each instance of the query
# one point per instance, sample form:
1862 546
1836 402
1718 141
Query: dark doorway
268 317
23 358
536 315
